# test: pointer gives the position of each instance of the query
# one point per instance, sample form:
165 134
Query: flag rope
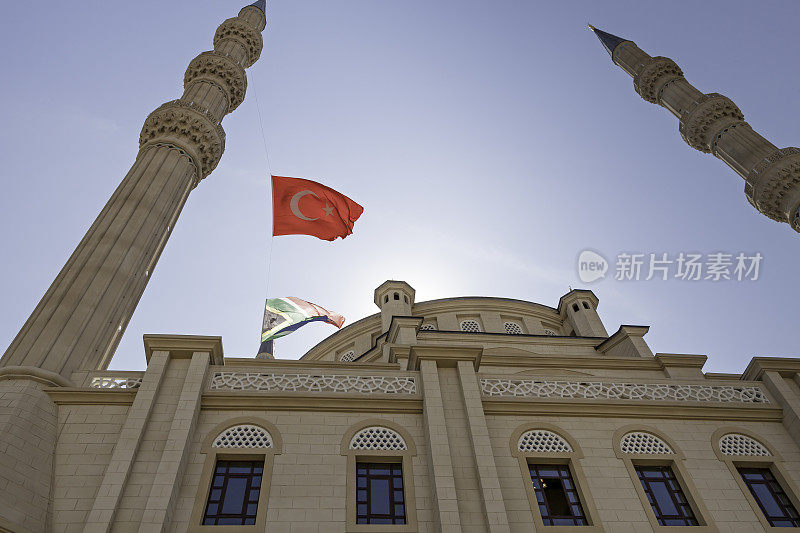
269 177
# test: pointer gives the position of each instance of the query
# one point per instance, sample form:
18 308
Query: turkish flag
305 207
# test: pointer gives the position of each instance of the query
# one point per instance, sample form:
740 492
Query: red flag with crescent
305 207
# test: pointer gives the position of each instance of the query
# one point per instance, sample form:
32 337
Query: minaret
79 321
713 124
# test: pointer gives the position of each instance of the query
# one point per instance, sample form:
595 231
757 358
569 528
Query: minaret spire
260 4
79 321
610 42
712 123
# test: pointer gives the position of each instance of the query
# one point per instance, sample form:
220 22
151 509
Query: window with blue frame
380 498
233 497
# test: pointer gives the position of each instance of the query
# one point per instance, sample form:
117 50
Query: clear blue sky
489 142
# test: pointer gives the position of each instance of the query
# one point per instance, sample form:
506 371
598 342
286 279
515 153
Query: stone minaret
79 321
713 124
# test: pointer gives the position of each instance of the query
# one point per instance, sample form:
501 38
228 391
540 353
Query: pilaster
489 480
161 501
107 500
441 464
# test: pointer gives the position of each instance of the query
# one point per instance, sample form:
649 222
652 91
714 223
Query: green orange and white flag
284 315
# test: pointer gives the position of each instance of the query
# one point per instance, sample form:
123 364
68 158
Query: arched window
380 481
759 472
235 482
348 356
470 325
428 326
554 482
656 469
586 305
512 328
575 307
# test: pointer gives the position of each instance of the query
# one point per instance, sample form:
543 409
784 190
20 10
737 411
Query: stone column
713 124
79 322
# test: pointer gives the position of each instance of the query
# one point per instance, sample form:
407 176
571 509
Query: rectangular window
557 496
666 496
379 493
770 496
233 498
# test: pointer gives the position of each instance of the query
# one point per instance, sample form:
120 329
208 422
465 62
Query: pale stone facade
464 411
463 393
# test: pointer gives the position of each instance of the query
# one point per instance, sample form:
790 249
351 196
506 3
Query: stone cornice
571 362
291 365
79 396
507 338
785 366
316 402
485 303
445 356
51 379
624 332
630 409
399 322
681 360
183 346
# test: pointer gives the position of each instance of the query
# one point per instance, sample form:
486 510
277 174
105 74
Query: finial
260 4
610 42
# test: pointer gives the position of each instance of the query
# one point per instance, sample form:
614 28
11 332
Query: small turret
394 298
578 308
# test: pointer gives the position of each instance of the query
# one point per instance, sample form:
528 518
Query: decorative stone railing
273 382
599 390
115 382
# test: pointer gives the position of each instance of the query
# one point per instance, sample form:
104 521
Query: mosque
471 414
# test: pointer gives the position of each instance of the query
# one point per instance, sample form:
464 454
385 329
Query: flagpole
267 349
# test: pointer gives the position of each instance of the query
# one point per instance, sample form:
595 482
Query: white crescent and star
294 204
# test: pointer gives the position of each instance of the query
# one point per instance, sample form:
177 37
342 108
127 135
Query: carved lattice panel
378 438
738 444
243 436
542 441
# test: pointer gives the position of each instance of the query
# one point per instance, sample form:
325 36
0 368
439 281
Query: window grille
666 496
379 493
243 436
427 327
550 332
233 497
770 496
378 438
557 496
348 356
471 326
512 328
737 444
644 443
542 441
